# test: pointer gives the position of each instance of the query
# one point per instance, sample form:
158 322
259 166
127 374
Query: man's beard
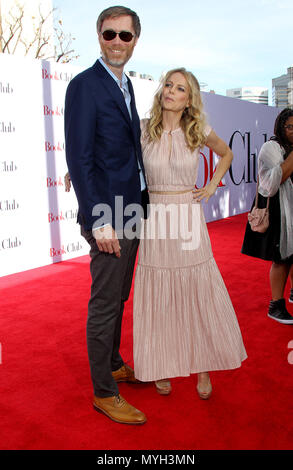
120 63
115 62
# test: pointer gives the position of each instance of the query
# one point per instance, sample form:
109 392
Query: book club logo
6 88
8 166
53 111
67 215
10 243
71 247
8 205
54 182
54 147
248 170
6 127
55 75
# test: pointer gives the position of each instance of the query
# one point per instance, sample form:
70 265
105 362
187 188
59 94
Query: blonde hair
193 119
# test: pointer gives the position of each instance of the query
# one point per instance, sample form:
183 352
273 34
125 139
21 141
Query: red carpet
45 391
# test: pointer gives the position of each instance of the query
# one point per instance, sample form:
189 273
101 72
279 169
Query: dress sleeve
269 168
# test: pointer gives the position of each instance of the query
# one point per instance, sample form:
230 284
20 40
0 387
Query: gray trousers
111 284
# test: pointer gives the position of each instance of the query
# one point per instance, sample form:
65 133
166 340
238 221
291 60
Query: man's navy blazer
102 145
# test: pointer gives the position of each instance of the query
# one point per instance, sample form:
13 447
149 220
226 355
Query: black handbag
265 245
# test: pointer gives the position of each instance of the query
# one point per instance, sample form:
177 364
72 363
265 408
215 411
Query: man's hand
107 240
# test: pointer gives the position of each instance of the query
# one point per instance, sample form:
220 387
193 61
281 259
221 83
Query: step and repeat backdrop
37 217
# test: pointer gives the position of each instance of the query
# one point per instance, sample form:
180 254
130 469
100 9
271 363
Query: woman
184 321
275 167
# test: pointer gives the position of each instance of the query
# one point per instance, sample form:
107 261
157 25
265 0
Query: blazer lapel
135 117
114 90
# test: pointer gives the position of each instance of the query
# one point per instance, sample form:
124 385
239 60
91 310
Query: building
283 90
143 76
254 94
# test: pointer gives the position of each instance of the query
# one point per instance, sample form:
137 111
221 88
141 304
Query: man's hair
114 12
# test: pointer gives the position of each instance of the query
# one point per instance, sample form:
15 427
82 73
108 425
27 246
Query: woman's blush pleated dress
183 318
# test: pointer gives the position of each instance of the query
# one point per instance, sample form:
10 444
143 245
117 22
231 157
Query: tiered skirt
183 318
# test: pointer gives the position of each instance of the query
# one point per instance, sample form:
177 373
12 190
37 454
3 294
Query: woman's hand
67 182
205 193
218 146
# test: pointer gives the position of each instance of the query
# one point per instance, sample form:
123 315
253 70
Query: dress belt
171 192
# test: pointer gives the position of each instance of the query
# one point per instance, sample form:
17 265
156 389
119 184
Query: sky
225 43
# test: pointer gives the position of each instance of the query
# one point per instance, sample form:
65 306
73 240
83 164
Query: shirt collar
123 83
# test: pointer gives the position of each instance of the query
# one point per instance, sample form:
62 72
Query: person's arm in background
287 167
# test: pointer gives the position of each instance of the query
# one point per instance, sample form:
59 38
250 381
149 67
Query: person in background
183 318
103 152
275 169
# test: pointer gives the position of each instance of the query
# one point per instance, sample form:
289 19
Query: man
102 133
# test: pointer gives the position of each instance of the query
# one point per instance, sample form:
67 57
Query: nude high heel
204 391
163 386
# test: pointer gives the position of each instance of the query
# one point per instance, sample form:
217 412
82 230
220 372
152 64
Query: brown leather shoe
125 374
117 409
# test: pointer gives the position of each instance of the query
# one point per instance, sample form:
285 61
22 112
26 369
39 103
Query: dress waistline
171 192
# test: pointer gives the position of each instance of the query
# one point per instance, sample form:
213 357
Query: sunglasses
125 36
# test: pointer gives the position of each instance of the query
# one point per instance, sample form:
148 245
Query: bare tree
62 49
46 40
